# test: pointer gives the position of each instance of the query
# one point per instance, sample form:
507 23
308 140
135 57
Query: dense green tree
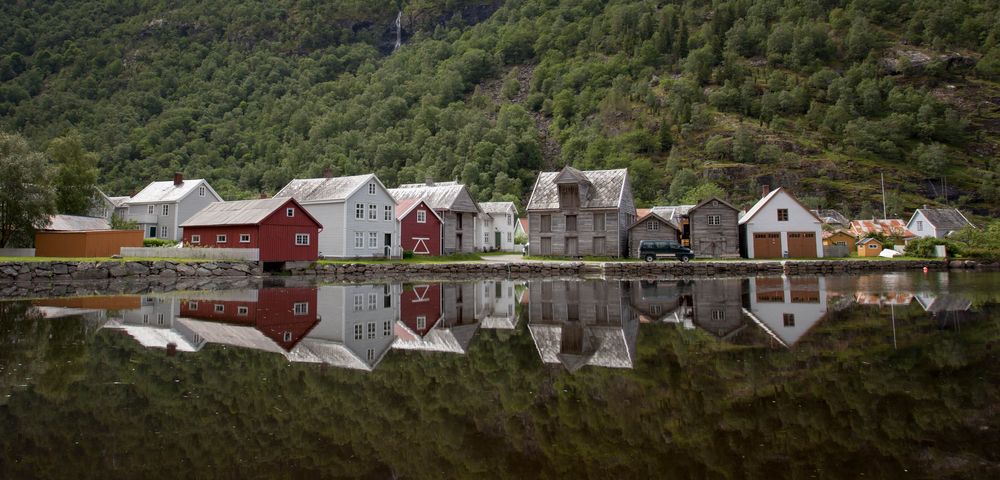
26 196
76 175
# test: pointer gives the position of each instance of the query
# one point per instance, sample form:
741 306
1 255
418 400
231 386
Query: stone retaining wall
59 271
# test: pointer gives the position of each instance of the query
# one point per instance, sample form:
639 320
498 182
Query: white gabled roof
497 207
757 207
241 212
335 189
162 192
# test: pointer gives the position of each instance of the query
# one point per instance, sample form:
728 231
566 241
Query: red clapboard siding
420 300
410 231
274 236
277 316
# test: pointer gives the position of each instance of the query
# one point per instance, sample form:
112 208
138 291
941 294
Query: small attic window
371 188
289 212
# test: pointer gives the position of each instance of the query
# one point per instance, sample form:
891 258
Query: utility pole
883 195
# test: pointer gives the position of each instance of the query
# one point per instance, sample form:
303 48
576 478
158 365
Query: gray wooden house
718 306
651 227
578 213
454 204
715 229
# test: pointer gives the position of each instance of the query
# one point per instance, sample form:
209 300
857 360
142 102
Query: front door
571 248
388 245
598 246
458 240
152 231
497 237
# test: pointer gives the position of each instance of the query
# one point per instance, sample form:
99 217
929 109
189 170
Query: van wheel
685 259
649 258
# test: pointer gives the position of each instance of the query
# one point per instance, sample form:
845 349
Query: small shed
77 236
279 228
419 227
838 243
869 247
650 227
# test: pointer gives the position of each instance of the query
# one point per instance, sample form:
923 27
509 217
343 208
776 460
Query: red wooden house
285 315
419 227
279 228
420 307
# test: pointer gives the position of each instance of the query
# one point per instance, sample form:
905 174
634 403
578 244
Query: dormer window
371 188
569 196
201 191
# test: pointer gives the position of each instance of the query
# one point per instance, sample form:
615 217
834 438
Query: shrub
407 254
924 247
158 242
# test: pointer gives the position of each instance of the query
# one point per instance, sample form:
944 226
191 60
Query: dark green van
650 250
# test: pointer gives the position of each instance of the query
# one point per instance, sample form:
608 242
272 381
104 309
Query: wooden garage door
767 245
802 244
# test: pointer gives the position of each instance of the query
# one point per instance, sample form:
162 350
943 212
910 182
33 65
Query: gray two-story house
454 204
579 213
162 207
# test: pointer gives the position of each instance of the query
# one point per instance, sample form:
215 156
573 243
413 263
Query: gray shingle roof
945 218
74 223
336 189
158 192
439 197
605 193
672 213
242 212
497 207
439 184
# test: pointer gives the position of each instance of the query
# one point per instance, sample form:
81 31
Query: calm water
881 376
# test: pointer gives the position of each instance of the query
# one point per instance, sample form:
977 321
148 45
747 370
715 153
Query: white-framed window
486 238
244 238
421 322
242 310
920 225
302 239
220 239
386 328
372 239
166 210
201 191
192 305
159 319
388 212
372 211
510 237
287 336
219 308
510 219
421 216
782 214
371 354
359 302
371 330
145 318
149 209
718 315
195 239
163 231
300 308
289 212
372 301
371 188
359 211
714 219
359 240
652 225
359 332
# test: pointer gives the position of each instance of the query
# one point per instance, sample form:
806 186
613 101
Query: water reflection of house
155 324
454 329
356 327
941 303
499 299
718 306
284 315
94 308
579 323
660 301
787 307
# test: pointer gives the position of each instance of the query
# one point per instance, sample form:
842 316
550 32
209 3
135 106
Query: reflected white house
499 301
579 323
787 307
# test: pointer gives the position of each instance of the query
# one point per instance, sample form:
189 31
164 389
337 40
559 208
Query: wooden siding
274 237
422 300
715 241
641 232
97 243
718 305
409 230
584 233
451 231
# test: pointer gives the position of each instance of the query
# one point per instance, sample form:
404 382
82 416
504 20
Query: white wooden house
779 226
937 222
357 212
497 226
161 207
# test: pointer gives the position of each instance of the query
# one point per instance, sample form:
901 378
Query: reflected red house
285 315
419 227
420 307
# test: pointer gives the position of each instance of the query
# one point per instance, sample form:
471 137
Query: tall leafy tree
76 175
26 196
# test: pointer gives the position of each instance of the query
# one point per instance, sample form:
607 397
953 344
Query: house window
242 311
289 212
718 315
486 238
219 308
546 223
220 239
159 319
195 239
458 221
358 332
510 237
300 308
192 305
244 238
421 322
149 209
371 354
371 330
654 309
302 239
920 226
600 222
359 240
714 219
287 336
510 219
166 210
386 328
359 211
872 245
145 318
789 319
570 223
782 214
372 301
201 191
652 225
372 211
388 212
163 231
359 302
371 188
372 239
421 216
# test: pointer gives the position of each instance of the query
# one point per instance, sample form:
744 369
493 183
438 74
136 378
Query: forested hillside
693 97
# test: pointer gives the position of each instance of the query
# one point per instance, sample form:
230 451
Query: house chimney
764 190
925 206
327 172
178 179
429 181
